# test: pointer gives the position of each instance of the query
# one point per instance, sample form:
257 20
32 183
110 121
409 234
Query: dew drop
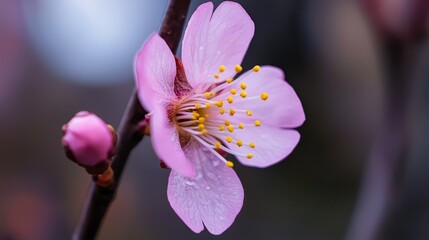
190 183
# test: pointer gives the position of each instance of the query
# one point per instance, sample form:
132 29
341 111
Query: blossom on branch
204 104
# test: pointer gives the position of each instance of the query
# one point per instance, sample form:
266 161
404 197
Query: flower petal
165 141
213 197
155 70
271 144
284 107
214 40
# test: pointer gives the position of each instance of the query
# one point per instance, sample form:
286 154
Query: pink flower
198 109
89 142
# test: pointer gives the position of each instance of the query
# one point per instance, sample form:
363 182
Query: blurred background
60 57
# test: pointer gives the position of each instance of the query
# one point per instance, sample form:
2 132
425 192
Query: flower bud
89 142
400 19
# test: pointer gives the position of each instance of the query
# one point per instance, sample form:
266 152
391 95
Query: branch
99 198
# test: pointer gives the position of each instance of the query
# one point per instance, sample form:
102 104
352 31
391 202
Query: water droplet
189 183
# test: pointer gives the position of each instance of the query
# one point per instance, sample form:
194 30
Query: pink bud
89 142
400 19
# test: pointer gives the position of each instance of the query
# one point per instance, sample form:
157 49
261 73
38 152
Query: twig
381 183
99 198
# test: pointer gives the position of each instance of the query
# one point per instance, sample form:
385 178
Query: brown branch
99 198
382 180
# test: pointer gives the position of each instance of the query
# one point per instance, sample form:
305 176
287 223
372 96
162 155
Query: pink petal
272 144
214 40
213 197
284 107
155 70
165 141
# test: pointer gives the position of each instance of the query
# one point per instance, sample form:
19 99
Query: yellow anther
252 145
197 105
219 103
239 143
231 128
256 68
228 139
257 123
264 96
231 111
238 68
241 125
229 99
194 117
229 80
229 164
222 111
208 105
221 127
249 113
243 85
222 68
201 120
216 76
206 115
227 122
217 145
201 126
249 156
208 94
204 132
233 91
243 94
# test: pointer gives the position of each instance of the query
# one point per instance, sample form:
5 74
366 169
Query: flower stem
99 198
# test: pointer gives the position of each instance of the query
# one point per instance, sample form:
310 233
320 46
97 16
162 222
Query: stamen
222 68
231 111
249 156
243 94
233 91
238 68
241 125
217 145
229 80
252 145
229 164
264 96
257 123
228 139
200 126
230 128
221 127
243 86
249 113
204 132
256 68
227 122
208 95
197 105
216 76
208 105
219 103
222 111
229 99
201 120
239 143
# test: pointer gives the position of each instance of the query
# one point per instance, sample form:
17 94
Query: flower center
216 115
